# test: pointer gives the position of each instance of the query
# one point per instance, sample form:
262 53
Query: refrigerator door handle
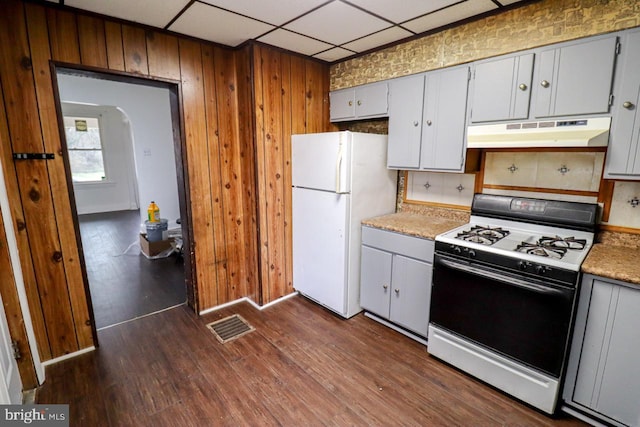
339 168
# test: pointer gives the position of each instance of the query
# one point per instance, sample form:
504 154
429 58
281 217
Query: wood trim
605 196
618 229
542 190
439 205
546 150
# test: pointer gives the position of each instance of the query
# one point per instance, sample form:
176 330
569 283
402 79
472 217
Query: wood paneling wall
290 98
237 169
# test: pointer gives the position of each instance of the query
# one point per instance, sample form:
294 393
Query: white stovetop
522 232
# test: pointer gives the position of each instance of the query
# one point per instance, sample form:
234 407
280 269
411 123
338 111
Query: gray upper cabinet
501 89
623 154
406 97
603 376
361 102
575 79
444 120
427 118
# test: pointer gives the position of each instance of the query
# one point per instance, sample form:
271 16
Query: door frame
179 144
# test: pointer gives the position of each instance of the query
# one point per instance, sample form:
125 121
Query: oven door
523 319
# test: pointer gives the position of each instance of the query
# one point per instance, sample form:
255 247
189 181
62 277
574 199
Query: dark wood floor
302 366
126 285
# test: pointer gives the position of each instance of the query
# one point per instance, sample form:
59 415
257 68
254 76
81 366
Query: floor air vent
230 328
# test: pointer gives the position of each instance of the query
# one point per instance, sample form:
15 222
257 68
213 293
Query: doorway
137 158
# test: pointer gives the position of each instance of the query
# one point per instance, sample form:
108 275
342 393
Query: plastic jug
153 212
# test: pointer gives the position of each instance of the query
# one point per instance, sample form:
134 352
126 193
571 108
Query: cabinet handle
350 103
397 291
628 105
523 86
428 122
415 123
385 287
544 83
359 102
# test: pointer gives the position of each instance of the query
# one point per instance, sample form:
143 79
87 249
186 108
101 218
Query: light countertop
416 224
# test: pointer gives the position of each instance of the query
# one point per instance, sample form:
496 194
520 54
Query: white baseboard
68 356
250 301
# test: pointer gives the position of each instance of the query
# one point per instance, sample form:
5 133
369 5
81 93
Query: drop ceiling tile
410 8
295 42
378 39
275 12
508 2
337 23
449 15
147 12
217 25
333 54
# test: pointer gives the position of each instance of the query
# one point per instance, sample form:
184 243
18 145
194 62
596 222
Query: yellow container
153 212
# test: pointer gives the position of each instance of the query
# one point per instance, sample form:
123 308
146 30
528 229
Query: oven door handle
501 278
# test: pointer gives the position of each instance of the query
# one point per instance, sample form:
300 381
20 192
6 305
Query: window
85 148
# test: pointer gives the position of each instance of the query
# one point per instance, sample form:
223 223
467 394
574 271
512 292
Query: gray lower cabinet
623 154
395 278
427 120
603 376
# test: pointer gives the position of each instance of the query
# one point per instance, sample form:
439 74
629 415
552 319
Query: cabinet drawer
414 247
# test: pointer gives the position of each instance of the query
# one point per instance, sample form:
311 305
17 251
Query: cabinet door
444 120
623 154
501 89
375 281
608 379
342 104
620 388
405 122
372 100
411 295
575 79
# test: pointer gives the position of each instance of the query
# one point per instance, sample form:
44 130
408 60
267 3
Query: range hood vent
592 132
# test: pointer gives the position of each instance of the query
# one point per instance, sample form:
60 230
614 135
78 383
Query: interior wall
291 97
536 24
119 191
149 114
219 179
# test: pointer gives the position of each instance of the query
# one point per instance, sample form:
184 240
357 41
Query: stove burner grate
541 250
560 242
482 235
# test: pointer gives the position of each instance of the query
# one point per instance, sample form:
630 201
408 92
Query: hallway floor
126 285
302 366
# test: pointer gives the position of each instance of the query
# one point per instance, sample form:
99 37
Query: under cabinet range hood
592 132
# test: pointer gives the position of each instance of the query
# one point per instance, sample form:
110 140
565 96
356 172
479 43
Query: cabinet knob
628 105
359 102
428 122
385 287
415 123
397 291
544 83
523 86
350 103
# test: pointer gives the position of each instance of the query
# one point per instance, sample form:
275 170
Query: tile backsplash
441 188
626 194
557 171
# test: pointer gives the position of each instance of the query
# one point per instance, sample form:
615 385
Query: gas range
531 244
516 242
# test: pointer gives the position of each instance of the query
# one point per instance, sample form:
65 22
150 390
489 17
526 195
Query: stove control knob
472 253
540 269
522 265
457 250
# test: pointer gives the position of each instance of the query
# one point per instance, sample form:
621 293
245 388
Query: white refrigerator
338 179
